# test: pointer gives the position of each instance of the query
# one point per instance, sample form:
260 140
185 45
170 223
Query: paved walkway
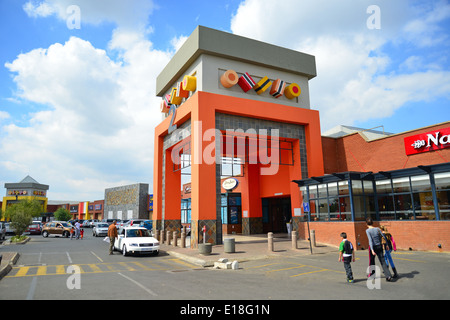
250 247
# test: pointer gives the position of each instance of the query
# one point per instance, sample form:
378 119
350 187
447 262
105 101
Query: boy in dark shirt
347 255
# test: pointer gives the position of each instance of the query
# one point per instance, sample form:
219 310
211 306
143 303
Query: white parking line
68 257
139 285
97 256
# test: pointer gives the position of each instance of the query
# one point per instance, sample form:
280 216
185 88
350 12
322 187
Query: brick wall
417 235
354 153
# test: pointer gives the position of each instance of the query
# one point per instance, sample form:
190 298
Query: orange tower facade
236 130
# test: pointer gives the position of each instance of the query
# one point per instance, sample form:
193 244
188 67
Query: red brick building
400 180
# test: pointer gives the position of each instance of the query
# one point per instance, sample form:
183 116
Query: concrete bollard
168 238
161 236
313 238
183 239
175 239
270 241
294 239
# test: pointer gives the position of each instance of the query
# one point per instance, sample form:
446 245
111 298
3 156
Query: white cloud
35 9
125 14
100 125
357 79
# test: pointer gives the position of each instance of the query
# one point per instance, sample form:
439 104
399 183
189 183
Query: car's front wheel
124 250
45 234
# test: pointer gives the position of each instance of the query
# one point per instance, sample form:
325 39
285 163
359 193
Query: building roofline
205 40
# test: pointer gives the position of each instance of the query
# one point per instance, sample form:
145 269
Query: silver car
100 229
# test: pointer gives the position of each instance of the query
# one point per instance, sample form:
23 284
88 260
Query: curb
5 268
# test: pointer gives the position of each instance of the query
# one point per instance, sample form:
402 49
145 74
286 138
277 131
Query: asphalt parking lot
46 265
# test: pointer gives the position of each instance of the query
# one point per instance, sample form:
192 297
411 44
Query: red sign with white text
429 141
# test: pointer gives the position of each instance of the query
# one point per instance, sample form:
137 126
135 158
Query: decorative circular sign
230 184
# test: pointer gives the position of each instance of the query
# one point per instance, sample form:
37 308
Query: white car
136 240
100 229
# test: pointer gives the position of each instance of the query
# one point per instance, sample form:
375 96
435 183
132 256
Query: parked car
2 230
86 224
108 221
136 240
56 228
147 224
92 222
34 228
9 229
134 222
100 229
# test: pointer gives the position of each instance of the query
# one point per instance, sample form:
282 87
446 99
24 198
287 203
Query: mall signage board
429 141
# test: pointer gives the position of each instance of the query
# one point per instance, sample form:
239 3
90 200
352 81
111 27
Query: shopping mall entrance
276 212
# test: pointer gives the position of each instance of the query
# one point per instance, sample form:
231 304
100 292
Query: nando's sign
429 141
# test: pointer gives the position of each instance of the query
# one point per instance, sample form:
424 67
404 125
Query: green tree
62 214
22 213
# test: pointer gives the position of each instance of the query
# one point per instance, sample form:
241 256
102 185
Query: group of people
381 244
76 231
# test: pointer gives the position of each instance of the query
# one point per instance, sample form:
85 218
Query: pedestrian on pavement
81 233
112 234
77 230
389 245
72 232
288 226
374 236
347 255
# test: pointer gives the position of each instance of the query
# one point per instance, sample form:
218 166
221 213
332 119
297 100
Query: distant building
27 189
127 202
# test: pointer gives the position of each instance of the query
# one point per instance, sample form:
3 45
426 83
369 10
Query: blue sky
78 106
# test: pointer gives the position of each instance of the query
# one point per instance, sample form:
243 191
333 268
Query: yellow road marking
284 269
94 268
41 270
22 271
315 271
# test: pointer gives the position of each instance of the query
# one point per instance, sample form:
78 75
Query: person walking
347 255
77 230
374 236
389 245
112 234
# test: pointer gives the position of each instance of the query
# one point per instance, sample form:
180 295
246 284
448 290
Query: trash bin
205 248
229 245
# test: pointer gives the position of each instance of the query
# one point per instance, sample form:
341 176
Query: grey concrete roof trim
26 185
223 44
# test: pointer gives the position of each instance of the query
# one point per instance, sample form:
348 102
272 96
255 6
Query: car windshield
102 225
137 233
66 224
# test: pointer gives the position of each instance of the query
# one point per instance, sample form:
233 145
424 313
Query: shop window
186 210
322 190
357 187
313 192
332 189
401 185
230 167
423 205
386 207
383 186
343 188
403 206
442 181
420 183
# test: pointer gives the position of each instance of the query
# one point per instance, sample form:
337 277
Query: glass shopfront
421 193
